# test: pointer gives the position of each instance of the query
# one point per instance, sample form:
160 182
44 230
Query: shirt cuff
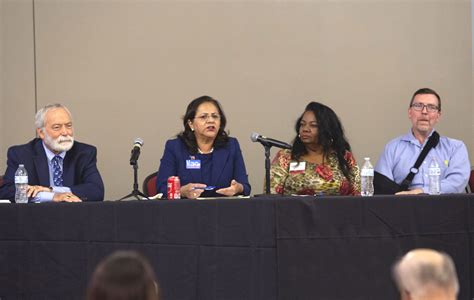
48 196
43 197
61 189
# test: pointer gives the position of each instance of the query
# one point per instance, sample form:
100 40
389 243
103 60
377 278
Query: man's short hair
426 91
40 114
417 275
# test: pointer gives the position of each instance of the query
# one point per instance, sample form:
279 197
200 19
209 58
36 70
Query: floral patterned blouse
315 179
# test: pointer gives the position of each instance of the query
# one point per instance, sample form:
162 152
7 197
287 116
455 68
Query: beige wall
128 68
18 88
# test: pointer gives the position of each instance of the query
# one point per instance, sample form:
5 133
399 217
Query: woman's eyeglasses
205 117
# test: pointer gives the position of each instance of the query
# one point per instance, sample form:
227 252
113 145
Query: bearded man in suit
59 168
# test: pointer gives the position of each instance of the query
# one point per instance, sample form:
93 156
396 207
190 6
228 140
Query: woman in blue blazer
203 156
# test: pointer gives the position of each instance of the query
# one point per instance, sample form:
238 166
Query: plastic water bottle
434 173
21 185
367 178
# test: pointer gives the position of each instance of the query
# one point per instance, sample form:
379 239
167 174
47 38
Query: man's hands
411 192
65 197
33 190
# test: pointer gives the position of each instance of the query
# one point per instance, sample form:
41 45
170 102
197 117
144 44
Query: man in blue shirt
401 153
59 168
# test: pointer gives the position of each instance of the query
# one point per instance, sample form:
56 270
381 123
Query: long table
257 248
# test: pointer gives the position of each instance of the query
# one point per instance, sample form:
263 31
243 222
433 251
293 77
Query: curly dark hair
330 135
187 135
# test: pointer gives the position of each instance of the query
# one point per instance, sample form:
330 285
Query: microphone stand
267 169
267 145
267 173
135 192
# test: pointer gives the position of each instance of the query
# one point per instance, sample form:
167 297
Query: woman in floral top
321 162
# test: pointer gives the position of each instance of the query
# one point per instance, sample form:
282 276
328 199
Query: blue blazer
227 164
80 172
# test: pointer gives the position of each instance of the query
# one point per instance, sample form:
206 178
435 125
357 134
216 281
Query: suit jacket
227 164
80 172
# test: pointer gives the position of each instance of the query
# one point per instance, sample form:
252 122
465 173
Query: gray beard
57 146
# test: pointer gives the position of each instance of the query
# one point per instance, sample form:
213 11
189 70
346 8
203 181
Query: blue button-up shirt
401 153
48 196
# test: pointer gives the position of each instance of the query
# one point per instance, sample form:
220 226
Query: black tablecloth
344 248
259 248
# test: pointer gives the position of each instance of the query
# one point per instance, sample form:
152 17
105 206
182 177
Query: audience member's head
426 274
124 275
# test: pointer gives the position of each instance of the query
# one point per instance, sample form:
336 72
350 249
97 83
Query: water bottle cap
367 158
21 165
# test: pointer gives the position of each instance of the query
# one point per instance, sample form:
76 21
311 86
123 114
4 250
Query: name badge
193 164
296 167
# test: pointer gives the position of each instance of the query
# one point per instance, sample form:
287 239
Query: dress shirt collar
410 137
50 155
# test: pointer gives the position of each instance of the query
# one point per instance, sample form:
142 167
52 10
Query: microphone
268 142
137 145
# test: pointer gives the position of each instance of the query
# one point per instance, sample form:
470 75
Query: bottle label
367 172
21 179
434 171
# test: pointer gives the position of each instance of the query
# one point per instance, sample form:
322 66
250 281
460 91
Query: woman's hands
234 189
194 190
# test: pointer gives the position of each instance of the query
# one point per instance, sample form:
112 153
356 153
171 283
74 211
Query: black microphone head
254 137
138 142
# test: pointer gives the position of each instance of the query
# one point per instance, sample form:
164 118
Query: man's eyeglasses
429 107
205 117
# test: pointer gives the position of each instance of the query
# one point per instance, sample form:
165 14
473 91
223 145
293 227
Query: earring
192 129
